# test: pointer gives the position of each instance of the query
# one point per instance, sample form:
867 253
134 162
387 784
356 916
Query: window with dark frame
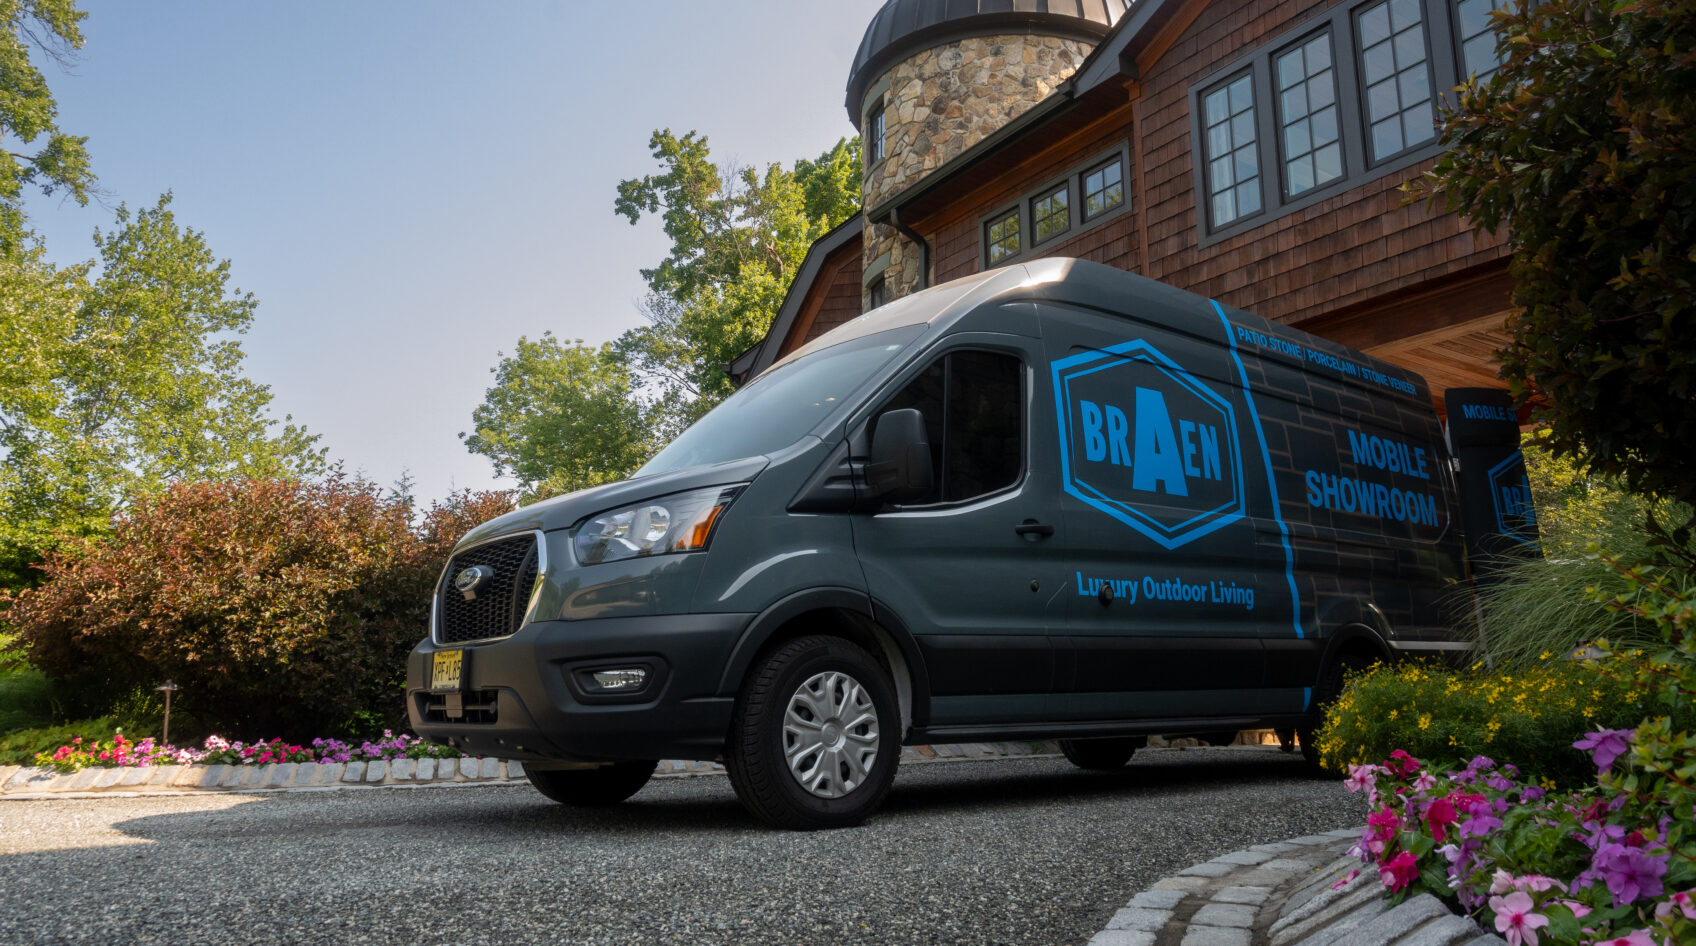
1477 40
1104 188
1354 91
1001 237
1396 72
973 406
1089 195
1233 160
877 293
1051 213
1307 115
874 135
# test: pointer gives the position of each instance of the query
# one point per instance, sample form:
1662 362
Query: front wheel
607 785
815 736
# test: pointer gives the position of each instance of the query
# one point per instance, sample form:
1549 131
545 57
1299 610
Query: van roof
1104 289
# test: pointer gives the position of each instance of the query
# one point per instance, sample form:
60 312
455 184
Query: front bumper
526 701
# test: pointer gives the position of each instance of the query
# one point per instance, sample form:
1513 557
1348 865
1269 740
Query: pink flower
1401 762
1401 871
1347 879
1683 901
1515 919
1579 910
1362 778
1633 938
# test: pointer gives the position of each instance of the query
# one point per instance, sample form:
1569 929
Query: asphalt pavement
1017 851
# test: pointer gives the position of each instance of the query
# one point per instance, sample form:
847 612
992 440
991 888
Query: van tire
1101 755
1330 687
591 788
863 723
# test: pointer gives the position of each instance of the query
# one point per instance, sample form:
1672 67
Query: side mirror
900 467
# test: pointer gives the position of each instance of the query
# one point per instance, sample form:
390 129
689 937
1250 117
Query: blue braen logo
1510 491
1147 443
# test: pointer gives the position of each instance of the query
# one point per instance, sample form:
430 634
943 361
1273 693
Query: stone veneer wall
941 102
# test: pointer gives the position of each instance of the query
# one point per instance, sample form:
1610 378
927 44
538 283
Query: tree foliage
738 237
561 417
278 605
564 417
29 116
1583 146
120 383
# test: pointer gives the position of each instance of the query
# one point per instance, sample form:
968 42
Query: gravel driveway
1028 851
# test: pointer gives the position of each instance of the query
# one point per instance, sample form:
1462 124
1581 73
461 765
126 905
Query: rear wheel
1329 688
815 737
1101 754
607 785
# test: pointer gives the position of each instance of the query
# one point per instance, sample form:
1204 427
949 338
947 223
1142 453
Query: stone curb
1292 893
27 782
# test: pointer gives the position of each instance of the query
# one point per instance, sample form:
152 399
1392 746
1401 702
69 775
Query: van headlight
680 523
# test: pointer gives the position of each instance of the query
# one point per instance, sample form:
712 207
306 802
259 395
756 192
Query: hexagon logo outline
1515 460
1171 536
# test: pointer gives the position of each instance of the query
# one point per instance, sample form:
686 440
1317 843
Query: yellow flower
1425 721
1393 713
1543 656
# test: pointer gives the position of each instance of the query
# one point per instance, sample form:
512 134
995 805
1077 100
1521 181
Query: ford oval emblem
470 579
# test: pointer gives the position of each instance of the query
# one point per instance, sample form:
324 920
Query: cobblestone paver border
28 782
1291 893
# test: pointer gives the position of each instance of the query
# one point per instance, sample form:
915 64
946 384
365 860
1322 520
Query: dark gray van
1055 500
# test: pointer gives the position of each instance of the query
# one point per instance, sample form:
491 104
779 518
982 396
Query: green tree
119 384
561 417
738 236
29 116
1583 146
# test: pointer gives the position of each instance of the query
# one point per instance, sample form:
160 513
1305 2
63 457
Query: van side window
973 404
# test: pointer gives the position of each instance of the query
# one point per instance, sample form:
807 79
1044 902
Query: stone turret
936 77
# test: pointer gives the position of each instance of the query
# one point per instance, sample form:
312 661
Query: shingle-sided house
1248 150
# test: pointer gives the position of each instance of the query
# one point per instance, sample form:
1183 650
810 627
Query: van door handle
1033 527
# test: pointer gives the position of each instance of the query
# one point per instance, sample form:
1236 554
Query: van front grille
499 607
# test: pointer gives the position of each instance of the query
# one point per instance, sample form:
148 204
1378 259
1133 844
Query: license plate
444 669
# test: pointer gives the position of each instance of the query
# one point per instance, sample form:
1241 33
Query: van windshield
779 407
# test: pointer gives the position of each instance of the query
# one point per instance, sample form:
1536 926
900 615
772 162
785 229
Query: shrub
276 605
1527 718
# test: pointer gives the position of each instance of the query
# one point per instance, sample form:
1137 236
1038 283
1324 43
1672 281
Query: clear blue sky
408 187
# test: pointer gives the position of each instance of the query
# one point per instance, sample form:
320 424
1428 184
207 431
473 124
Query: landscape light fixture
169 688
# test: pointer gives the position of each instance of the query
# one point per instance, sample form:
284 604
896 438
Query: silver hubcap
830 734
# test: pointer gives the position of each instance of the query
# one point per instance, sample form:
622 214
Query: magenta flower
1515 918
1605 746
1439 816
1400 871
